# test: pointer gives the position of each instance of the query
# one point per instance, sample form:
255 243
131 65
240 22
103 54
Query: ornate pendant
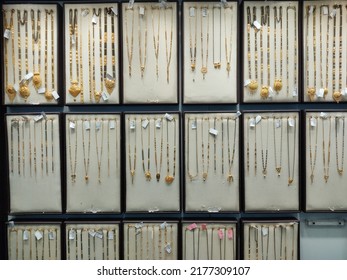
278 85
326 177
253 85
24 91
230 178
48 95
204 70
37 81
110 85
157 176
337 96
11 92
290 181
169 179
204 176
278 170
74 89
264 93
340 171
311 92
216 65
192 67
97 96
148 176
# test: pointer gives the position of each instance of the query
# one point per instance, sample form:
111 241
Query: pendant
48 95
264 173
340 171
311 177
278 169
326 177
37 81
337 96
132 173
73 178
74 89
228 68
326 91
97 96
311 92
216 65
148 176
11 92
230 178
110 85
169 179
157 176
290 181
264 93
86 178
204 71
142 67
204 176
253 85
278 85
192 67
24 91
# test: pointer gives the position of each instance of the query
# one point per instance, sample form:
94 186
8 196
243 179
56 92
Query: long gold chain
48 93
313 157
204 62
265 15
192 45
326 156
170 178
36 39
205 171
97 94
337 95
130 47
291 169
231 154
190 175
338 167
168 49
325 89
228 50
147 172
311 91
264 151
110 80
156 39
217 63
142 59
86 155
295 51
73 163
132 167
278 84
276 123
253 83
99 153
158 163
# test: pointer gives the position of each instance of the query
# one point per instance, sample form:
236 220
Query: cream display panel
150 71
93 162
30 54
212 162
34 163
218 22
271 161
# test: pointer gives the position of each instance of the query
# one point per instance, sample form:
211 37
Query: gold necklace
276 123
291 170
36 39
156 40
295 51
231 156
337 95
24 90
247 145
340 168
73 163
132 168
86 158
130 47
170 178
217 64
99 154
325 89
142 60
10 90
110 81
264 154
326 157
75 88
168 49
97 94
192 46
313 158
158 167
147 172
265 17
253 84
48 93
311 91
205 171
278 80
228 52
190 175
204 14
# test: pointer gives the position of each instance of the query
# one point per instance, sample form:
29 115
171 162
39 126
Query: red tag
230 233
192 226
203 227
221 234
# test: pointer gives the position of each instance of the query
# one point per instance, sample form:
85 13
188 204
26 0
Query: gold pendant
142 70
157 176
228 67
312 176
48 95
169 179
337 96
110 85
278 169
132 173
216 65
264 173
204 176
24 91
204 70
311 92
340 171
11 92
97 96
86 178
37 81
278 85
192 66
148 176
73 178
74 89
253 85
326 91
326 177
264 93
290 181
230 178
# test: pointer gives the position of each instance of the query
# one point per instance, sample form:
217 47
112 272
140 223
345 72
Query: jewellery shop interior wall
123 138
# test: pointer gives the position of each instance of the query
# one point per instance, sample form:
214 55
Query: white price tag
247 82
311 9
168 117
72 125
94 19
55 95
110 235
204 12
73 39
257 119
291 122
105 96
85 12
224 3
271 93
38 118
99 235
265 231
158 123
98 125
192 11
323 115
38 235
295 92
7 34
109 76
238 113
257 25
28 76
44 115
41 90
51 235
145 123
320 93
25 235
16 87
131 4
325 10
112 124
313 121
132 124
72 234
86 125
142 11
213 131
168 248
139 225
163 225
278 123
92 233
194 124
343 92
252 122
114 10
333 13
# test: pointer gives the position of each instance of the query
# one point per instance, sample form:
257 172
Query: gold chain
142 59
264 151
278 84
132 167
217 64
192 45
311 91
313 157
110 81
73 163
24 90
338 167
276 122
48 93
231 155
158 167
130 47
99 153
168 49
228 50
204 63
326 156
253 84
36 39
86 156
295 50
337 95
170 178
148 127
325 89
205 171
190 175
291 169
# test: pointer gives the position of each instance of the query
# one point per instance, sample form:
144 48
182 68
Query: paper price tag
72 125
313 122
163 225
132 124
230 233
112 124
344 92
72 234
28 76
203 227
114 10
38 235
7 34
86 125
139 225
204 12
25 235
110 235
51 235
131 4
238 113
94 19
158 123
168 117
142 11
295 92
278 123
265 231
41 90
55 95
224 3
291 122
252 122
325 10
247 82
194 124
145 123
92 233
99 235
271 91
105 96
168 248
311 9
257 25
44 115
98 125
16 87
25 118
320 93
221 234
323 115
257 119
192 226
85 12
192 11
333 13
213 131
73 39
38 118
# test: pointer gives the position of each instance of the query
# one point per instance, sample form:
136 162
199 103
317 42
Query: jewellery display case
325 150
93 162
270 240
92 241
150 54
91 53
150 240
209 241
211 162
325 51
152 162
270 51
33 152
34 241
30 54
210 52
271 161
